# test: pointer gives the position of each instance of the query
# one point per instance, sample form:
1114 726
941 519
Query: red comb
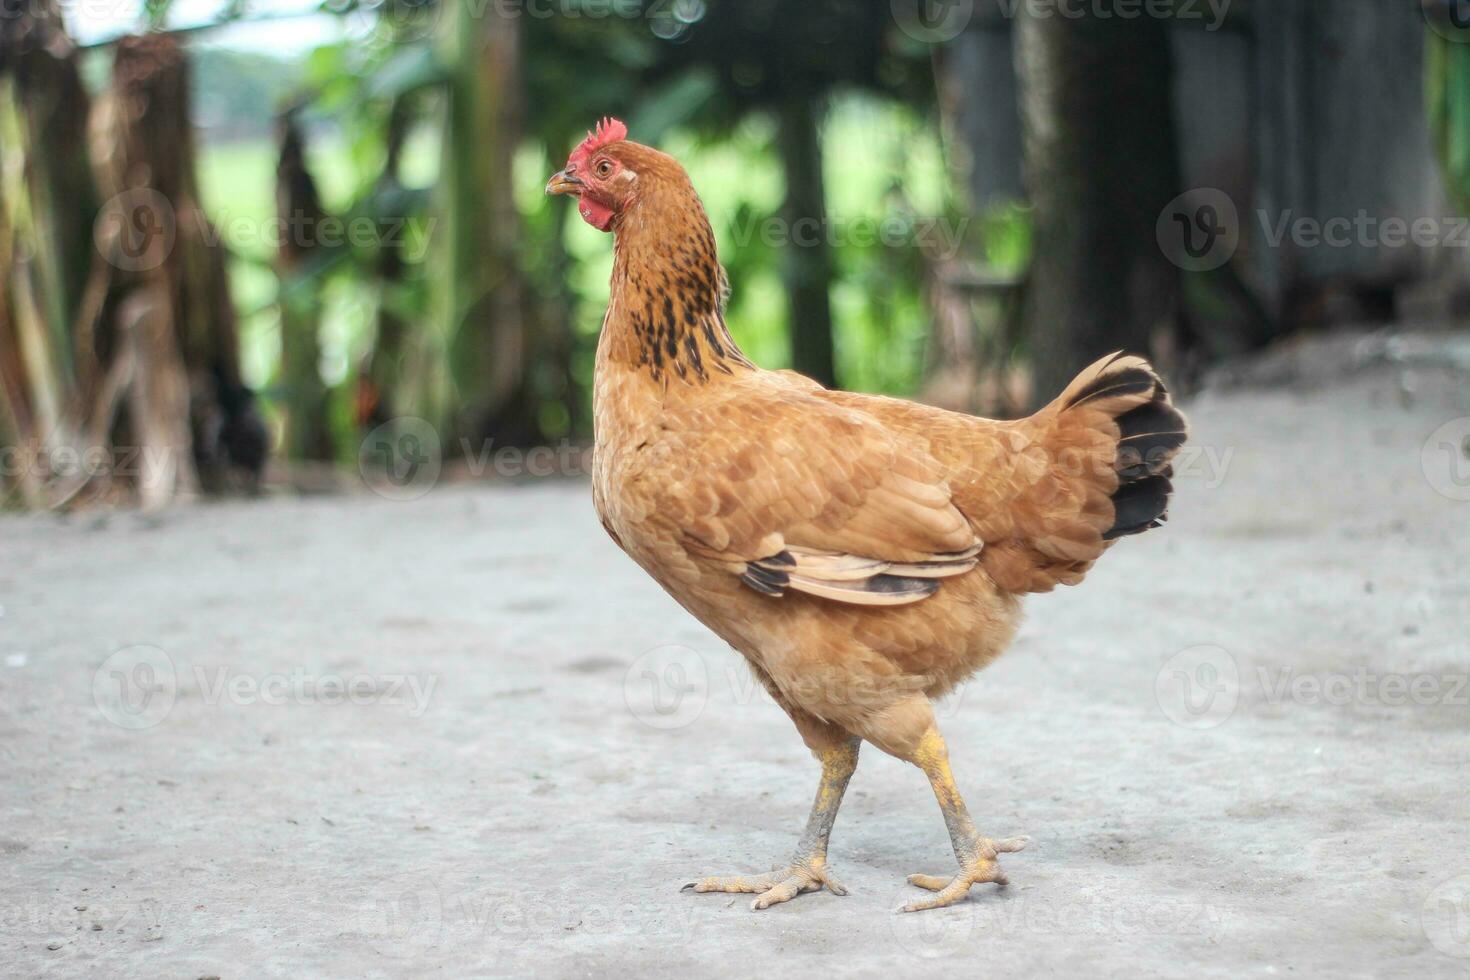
608 131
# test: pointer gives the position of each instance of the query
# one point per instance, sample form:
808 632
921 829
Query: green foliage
694 78
1447 95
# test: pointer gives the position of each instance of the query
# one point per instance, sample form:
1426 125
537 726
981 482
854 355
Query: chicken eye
604 168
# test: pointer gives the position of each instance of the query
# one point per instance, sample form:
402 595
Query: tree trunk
300 214
53 108
18 437
48 203
380 377
975 80
482 293
168 306
1101 166
806 261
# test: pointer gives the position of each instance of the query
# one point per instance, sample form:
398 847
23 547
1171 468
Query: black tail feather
1148 437
1140 505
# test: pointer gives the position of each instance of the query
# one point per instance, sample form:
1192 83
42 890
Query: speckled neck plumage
666 316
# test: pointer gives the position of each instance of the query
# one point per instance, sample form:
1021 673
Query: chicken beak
563 183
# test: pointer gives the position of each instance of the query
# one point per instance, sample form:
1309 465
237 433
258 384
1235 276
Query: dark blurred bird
231 442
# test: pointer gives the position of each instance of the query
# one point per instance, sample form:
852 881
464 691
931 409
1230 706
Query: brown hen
864 554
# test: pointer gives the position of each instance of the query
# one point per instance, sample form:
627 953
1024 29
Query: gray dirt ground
523 817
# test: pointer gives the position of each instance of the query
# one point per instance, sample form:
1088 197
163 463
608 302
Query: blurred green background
243 234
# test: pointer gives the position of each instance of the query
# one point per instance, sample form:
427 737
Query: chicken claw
808 870
774 887
983 868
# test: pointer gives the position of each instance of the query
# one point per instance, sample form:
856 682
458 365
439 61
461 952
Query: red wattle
595 214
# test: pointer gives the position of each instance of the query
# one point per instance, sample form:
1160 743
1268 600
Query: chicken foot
976 854
808 870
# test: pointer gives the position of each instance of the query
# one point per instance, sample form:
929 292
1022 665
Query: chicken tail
1110 438
1125 391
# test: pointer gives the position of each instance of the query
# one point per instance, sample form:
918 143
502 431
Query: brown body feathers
840 537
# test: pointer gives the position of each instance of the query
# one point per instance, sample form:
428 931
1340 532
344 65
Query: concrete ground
464 736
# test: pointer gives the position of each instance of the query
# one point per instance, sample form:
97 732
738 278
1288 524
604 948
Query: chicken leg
808 870
975 853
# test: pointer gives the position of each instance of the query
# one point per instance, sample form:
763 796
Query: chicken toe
775 887
983 867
